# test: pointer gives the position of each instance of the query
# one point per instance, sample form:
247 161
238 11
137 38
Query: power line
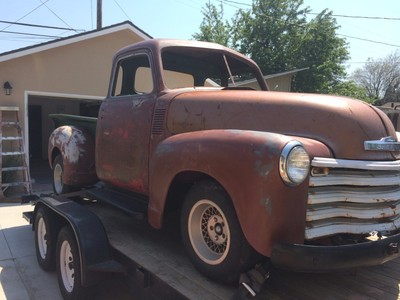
371 41
361 17
57 15
341 16
236 2
31 34
126 15
25 15
40 26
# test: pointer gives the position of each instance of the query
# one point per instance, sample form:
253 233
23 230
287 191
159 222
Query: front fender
76 146
246 164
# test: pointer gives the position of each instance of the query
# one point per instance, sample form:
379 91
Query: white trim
63 95
393 165
336 226
71 40
47 94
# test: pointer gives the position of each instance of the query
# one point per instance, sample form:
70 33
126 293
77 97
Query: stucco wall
81 68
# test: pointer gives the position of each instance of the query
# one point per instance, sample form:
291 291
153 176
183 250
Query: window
206 68
133 77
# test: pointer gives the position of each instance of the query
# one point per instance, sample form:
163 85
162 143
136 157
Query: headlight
294 164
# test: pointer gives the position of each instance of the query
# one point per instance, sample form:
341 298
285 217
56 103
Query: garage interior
40 126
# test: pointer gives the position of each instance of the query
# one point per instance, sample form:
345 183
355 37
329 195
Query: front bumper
307 258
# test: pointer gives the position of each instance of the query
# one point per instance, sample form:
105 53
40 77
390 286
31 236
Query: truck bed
88 123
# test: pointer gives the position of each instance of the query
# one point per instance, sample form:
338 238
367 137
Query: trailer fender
76 146
246 164
94 250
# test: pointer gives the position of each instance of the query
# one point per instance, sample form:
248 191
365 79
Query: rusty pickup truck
311 182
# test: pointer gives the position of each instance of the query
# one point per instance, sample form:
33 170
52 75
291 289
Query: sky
375 35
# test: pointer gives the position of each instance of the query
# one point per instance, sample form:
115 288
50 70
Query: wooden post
99 14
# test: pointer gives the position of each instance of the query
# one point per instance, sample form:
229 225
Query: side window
133 76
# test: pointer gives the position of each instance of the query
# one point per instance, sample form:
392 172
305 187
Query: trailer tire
212 234
45 239
58 171
69 267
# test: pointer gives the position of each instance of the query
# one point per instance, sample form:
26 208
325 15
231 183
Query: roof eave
73 39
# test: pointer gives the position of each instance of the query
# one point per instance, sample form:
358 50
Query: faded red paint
144 141
245 164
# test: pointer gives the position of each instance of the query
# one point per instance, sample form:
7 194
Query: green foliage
277 35
350 89
271 33
324 53
213 28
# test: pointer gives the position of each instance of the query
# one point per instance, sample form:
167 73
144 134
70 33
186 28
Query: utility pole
99 15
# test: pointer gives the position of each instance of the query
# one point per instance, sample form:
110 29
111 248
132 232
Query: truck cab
309 181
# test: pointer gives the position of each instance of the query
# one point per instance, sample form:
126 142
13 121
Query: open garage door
40 125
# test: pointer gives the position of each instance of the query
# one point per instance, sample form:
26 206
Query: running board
133 204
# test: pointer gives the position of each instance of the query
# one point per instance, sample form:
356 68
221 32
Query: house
277 82
69 75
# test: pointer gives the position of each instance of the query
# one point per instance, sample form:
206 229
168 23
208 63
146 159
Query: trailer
88 240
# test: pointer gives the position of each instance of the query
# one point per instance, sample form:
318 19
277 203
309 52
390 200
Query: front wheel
69 267
212 235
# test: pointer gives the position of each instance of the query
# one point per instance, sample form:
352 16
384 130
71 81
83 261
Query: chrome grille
355 197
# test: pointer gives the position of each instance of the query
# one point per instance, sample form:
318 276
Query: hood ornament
388 143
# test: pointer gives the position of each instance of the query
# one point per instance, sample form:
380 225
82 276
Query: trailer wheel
212 235
69 267
45 239
58 170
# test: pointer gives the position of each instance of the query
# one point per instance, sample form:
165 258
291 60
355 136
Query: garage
68 76
41 105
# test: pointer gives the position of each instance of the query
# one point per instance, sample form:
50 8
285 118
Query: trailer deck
161 254
158 268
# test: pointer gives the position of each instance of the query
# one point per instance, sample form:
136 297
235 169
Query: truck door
124 124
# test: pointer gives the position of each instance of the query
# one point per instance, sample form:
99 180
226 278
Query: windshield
183 67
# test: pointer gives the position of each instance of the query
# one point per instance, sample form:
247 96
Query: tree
349 88
324 53
276 34
271 33
381 78
213 28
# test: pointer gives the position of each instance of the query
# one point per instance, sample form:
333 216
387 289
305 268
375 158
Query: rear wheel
58 171
212 235
69 267
45 239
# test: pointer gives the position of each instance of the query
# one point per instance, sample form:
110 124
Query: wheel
45 239
69 267
212 235
58 170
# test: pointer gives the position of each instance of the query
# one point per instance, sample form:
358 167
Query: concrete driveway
20 275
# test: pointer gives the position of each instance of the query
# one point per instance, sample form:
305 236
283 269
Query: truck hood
343 124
